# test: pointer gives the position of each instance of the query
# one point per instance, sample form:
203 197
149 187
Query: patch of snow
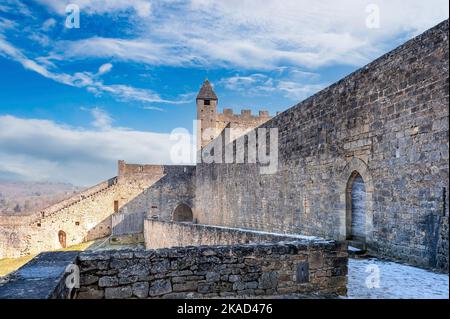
296 236
396 281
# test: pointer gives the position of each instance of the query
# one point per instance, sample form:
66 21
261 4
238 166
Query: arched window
62 239
182 213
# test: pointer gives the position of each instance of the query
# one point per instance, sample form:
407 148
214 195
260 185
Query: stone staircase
88 193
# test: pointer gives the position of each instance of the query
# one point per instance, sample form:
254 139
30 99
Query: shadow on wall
172 196
102 229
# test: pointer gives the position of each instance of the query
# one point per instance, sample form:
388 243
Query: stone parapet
163 234
303 266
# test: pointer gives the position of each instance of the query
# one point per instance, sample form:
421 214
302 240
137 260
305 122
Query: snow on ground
396 281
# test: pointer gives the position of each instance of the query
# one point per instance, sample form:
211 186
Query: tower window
207 102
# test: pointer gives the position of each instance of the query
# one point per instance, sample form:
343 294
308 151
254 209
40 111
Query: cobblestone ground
396 281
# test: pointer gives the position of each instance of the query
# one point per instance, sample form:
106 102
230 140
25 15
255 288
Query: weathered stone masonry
138 190
387 122
216 271
211 122
44 277
162 234
384 126
304 266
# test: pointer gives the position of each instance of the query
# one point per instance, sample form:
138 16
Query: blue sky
76 100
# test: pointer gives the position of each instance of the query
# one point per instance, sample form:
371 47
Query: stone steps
81 197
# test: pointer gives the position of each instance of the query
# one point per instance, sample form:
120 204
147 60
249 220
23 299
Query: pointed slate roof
206 92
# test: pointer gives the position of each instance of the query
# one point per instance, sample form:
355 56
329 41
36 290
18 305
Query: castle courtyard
397 281
342 195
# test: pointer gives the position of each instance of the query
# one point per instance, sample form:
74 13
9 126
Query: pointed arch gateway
357 203
182 213
356 211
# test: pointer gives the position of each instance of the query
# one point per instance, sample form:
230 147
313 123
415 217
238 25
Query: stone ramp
41 278
75 199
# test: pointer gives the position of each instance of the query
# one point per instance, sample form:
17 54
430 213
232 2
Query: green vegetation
8 265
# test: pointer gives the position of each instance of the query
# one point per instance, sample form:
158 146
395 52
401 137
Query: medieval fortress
364 161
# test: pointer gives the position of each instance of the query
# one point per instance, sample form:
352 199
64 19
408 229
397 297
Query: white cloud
251 35
48 24
6 24
102 119
153 108
44 150
298 91
142 8
140 50
292 85
86 80
15 6
235 34
104 68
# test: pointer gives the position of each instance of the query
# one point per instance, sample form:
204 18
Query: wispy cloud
294 84
153 108
87 80
104 68
140 50
212 34
48 24
246 34
102 119
142 8
15 6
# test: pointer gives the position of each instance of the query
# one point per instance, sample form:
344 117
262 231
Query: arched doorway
356 208
182 213
62 239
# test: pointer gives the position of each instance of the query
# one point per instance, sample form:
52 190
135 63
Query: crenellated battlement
244 121
245 114
212 122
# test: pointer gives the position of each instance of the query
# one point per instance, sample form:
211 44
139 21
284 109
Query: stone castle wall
144 189
212 122
161 234
442 261
216 271
244 121
387 121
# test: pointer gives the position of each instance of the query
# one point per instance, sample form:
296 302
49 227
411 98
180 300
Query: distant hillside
24 198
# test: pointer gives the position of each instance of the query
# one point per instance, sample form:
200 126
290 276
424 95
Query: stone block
141 289
90 293
118 292
186 286
108 281
268 280
160 287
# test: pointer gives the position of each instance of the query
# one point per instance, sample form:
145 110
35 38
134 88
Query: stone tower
206 115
